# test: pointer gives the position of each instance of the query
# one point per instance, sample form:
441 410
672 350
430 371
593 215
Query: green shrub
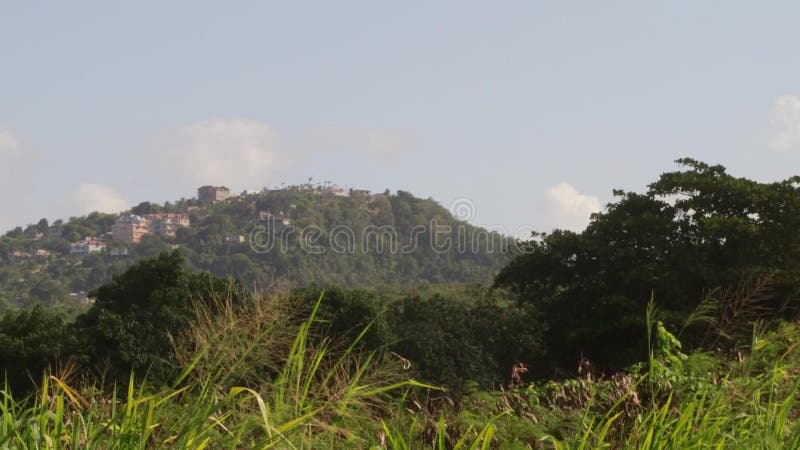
129 326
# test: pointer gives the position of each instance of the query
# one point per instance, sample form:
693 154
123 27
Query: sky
516 114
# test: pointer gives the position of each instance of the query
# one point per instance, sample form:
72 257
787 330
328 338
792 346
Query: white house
87 246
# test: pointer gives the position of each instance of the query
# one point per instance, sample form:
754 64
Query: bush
130 325
30 341
451 341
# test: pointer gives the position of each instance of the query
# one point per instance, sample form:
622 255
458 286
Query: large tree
694 229
132 318
30 342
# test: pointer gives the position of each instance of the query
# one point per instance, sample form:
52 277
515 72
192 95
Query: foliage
135 319
693 230
715 365
323 395
256 374
346 313
30 342
130 324
454 341
451 337
355 250
744 404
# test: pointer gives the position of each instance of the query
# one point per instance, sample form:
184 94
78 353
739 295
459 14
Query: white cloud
90 197
378 143
246 154
10 152
786 123
569 209
239 153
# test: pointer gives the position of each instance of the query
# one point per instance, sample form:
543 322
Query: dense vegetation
693 231
671 321
390 242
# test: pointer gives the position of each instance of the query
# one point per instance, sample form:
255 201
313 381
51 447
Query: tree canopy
133 318
694 229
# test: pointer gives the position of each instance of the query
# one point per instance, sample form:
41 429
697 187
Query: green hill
298 235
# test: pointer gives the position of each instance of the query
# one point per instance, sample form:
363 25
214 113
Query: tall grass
255 377
262 374
712 418
749 403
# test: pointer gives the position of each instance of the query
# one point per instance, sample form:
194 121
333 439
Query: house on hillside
213 194
118 251
338 192
237 239
166 224
130 229
281 220
88 245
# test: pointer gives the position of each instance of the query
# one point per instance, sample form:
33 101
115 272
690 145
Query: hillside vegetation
356 241
257 375
671 321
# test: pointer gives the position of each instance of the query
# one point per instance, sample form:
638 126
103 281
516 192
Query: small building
237 239
338 192
130 229
280 220
213 194
88 245
166 224
118 251
360 192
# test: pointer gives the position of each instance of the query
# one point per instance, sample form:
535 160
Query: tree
345 314
48 291
42 226
5 303
454 340
30 342
134 316
145 208
693 229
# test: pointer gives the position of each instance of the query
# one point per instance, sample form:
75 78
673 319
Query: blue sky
532 111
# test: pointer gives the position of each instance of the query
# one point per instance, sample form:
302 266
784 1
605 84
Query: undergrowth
257 375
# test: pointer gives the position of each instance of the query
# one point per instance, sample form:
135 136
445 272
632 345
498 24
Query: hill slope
299 235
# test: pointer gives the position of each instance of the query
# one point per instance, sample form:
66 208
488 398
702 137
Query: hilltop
297 235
